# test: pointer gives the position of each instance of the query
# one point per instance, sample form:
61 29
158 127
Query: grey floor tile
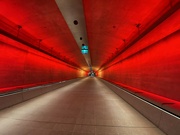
84 129
106 130
60 133
38 132
85 121
75 133
64 127
139 131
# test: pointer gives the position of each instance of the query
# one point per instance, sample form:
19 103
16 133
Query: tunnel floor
86 107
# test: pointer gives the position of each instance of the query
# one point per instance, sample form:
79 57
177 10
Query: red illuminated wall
23 66
155 69
152 64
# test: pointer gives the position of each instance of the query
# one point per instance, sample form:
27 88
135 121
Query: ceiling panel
72 10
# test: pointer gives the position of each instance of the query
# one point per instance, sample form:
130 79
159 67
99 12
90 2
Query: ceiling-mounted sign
84 49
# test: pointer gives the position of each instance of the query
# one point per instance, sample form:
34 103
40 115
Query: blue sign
84 49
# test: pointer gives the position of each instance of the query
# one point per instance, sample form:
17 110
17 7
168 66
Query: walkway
86 107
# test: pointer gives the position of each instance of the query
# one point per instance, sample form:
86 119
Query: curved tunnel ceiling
110 28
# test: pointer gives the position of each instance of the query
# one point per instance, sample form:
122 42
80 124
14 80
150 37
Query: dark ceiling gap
75 22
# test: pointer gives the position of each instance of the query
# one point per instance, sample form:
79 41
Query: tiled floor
86 107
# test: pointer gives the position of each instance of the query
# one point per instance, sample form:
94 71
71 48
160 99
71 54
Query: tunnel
89 67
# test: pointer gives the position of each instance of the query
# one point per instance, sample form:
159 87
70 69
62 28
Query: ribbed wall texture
21 66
